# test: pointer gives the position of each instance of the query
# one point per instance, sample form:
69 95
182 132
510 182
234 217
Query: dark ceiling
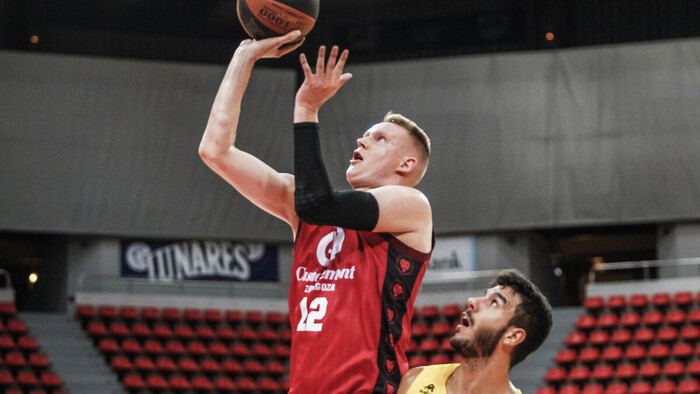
207 31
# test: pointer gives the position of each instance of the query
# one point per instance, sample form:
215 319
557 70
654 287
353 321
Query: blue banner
199 259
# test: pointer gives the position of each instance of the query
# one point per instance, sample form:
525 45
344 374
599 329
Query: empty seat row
623 371
438 358
28 378
625 336
674 317
194 348
188 366
688 386
634 353
87 312
157 382
682 299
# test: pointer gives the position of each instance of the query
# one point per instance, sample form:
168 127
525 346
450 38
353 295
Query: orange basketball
271 18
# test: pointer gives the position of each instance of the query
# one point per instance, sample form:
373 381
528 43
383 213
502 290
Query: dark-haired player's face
484 322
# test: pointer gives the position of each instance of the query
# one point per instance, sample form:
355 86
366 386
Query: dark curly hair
534 314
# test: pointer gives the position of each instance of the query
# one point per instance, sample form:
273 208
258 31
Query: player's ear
407 165
514 336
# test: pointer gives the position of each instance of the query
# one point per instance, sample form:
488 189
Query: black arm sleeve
314 199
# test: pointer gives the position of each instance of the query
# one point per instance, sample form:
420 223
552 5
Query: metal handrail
645 264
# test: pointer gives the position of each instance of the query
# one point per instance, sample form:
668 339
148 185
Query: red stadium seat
607 321
694 367
121 363
134 382
546 390
612 354
621 336
128 313
274 367
254 318
156 382
694 315
575 339
7 309
107 312
682 350
28 344
38 361
585 322
144 364
649 370
225 333
85 312
658 351
230 366
149 314
688 386
280 351
7 342
202 383
638 301
204 333
616 302
652 318
217 349
183 332
50 380
15 360
165 364
429 345
690 333
593 303
26 378
196 349
239 350
162 331
131 346
118 329
616 388
224 383
247 334
667 334
266 384
664 387
213 316
233 317
555 375
141 330
565 356
593 388
675 317
179 382
644 335
96 329
267 334
276 319
598 338
108 346
174 347
419 360
260 350
245 383
209 366
430 312
682 299
441 329
439 358
578 373
626 371
452 311
640 387
286 335
673 369
192 315
6 378
630 320
661 300
570 389
187 365
635 353
253 367
589 355
153 347
171 315
419 330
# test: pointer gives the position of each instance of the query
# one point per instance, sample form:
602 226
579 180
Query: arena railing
674 268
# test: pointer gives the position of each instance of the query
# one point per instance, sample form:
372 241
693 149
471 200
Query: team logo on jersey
390 340
389 388
428 389
397 289
329 246
389 366
391 314
404 266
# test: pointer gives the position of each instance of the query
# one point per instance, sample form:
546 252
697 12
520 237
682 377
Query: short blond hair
420 137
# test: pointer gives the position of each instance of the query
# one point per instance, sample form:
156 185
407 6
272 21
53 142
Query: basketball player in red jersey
359 254
496 332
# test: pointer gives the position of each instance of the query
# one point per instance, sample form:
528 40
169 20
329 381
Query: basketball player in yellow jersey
496 332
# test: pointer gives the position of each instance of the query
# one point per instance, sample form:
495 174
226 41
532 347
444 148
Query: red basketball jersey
350 304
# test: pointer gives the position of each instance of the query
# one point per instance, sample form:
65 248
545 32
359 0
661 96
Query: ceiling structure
207 31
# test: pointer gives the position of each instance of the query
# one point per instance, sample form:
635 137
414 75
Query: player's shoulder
408 378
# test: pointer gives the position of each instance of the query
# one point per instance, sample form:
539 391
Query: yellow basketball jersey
433 379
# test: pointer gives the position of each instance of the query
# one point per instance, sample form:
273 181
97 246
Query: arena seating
209 350
23 367
631 344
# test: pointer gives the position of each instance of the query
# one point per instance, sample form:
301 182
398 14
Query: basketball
271 18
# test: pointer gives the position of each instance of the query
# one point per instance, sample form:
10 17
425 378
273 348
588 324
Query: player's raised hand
320 86
273 47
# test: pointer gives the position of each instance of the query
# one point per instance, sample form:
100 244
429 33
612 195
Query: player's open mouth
466 319
356 156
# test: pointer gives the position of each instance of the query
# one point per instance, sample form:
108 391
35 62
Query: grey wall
601 135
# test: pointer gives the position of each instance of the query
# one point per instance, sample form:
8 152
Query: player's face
380 151
484 322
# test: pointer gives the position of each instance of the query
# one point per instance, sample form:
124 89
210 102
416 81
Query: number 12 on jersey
311 314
